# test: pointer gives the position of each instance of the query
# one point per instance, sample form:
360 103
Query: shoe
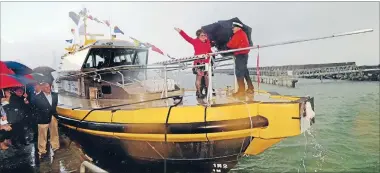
238 94
42 156
250 91
241 90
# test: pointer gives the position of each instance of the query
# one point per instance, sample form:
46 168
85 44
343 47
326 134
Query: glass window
99 61
89 63
110 57
141 58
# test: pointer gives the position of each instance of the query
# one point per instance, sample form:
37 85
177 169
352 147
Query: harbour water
345 137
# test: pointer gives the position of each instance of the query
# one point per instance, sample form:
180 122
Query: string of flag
149 45
84 13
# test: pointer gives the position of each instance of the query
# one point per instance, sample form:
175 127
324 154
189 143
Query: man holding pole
240 40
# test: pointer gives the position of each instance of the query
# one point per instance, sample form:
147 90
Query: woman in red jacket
201 46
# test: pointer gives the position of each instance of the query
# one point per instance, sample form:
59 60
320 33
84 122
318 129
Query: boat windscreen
111 57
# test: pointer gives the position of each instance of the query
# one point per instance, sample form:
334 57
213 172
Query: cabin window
89 63
99 61
141 58
111 57
122 57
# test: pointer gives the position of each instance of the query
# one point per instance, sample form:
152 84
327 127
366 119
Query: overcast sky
35 32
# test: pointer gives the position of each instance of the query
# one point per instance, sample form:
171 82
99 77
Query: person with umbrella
202 45
240 40
18 109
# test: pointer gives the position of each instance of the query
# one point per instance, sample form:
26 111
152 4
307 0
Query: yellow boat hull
221 132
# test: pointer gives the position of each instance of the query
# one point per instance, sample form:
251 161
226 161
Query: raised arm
185 36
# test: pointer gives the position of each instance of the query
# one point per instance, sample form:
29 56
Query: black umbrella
39 77
43 69
221 32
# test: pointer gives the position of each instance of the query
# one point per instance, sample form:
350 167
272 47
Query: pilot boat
106 94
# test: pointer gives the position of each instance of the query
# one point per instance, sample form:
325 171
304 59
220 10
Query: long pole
109 22
191 58
85 28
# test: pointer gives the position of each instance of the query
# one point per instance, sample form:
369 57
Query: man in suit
46 105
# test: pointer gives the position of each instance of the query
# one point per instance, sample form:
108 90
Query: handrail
91 167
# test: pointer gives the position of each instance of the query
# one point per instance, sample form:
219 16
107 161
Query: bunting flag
107 22
138 43
90 17
97 20
74 17
69 41
154 48
117 30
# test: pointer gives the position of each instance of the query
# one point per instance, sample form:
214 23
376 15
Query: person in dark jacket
240 40
46 105
17 110
33 92
201 45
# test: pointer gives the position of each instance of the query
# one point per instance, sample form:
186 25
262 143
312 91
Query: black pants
18 133
241 69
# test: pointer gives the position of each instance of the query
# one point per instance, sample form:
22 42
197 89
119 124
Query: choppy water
345 137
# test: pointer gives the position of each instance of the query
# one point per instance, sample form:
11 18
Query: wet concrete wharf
25 159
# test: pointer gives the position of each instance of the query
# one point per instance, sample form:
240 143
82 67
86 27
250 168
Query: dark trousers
241 69
18 133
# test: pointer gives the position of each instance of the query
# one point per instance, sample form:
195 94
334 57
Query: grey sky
31 31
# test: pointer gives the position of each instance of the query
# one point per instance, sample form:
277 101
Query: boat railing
92 167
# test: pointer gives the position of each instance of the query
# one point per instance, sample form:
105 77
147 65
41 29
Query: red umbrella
7 81
4 69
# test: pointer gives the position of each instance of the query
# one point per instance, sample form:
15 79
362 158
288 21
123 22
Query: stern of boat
284 120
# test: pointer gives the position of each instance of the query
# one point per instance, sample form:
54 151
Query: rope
258 68
250 119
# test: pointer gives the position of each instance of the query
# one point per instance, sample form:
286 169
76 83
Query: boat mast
85 28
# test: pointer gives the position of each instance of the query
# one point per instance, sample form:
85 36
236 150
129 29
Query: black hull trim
178 128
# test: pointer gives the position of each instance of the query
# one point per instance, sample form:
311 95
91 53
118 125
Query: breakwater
273 80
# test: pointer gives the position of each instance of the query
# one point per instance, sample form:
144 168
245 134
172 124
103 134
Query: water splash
318 152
